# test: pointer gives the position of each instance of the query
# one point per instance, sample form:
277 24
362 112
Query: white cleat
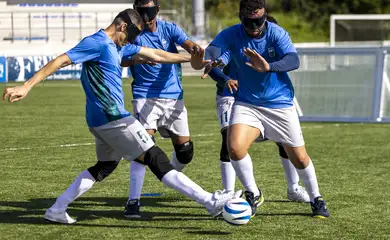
58 217
219 200
298 195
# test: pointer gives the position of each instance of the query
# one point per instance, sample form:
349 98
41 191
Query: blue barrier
3 69
23 68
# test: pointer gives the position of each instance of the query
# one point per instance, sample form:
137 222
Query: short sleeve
130 50
177 34
283 43
86 50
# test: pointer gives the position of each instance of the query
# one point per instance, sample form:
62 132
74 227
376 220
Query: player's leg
134 142
174 125
295 192
107 162
224 108
147 114
228 174
305 168
282 125
245 127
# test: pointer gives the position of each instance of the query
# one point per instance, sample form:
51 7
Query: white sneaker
298 195
219 200
59 217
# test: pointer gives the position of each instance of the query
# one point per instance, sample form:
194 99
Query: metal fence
60 25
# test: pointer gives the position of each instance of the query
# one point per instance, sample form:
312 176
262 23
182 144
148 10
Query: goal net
361 29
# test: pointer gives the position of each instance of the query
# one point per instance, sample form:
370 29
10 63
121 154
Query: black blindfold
147 13
132 31
253 23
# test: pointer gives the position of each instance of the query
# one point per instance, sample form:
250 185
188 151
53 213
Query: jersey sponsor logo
271 51
165 43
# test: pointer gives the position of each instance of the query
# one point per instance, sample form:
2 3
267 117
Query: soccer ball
237 211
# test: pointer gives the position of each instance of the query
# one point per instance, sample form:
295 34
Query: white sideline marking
70 145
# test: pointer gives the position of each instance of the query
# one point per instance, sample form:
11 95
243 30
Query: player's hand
257 62
197 58
232 85
15 94
210 66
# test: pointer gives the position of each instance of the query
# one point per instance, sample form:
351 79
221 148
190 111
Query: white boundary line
70 145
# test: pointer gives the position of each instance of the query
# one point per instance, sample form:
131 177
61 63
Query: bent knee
237 151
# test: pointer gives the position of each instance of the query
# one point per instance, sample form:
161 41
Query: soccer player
117 134
158 97
224 103
263 53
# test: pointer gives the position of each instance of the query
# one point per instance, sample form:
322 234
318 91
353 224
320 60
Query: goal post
362 29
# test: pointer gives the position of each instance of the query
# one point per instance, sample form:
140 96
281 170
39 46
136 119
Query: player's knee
282 152
224 153
102 169
236 150
184 152
158 162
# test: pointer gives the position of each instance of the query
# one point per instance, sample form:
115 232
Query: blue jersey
269 89
101 77
161 80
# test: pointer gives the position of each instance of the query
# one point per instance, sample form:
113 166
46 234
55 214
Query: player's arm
17 93
220 77
136 60
218 54
283 47
160 56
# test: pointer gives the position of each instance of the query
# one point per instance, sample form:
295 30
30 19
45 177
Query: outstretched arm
160 56
17 93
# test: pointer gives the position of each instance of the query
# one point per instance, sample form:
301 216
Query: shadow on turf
38 207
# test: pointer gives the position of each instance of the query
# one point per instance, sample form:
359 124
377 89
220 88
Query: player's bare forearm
47 70
160 56
189 46
167 57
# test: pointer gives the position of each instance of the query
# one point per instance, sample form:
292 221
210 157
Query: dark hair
142 2
271 19
128 15
249 6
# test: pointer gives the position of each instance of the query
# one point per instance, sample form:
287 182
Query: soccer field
45 144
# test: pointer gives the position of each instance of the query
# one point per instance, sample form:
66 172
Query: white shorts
224 109
162 115
280 125
123 138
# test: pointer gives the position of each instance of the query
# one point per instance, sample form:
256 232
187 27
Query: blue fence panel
3 69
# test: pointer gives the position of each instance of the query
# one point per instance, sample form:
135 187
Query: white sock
309 179
228 176
176 164
186 186
137 175
82 184
291 174
244 171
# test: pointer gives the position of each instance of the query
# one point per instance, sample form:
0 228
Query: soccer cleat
255 202
219 200
319 208
58 217
298 195
132 209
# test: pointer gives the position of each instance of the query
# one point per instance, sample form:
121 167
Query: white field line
70 145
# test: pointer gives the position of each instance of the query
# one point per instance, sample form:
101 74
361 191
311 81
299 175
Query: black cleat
255 202
319 208
132 209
